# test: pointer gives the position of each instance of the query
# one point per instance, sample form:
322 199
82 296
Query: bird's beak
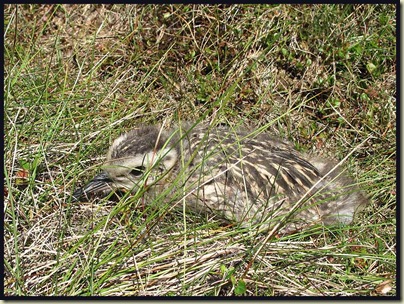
99 186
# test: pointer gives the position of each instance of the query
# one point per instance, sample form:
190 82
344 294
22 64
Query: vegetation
76 76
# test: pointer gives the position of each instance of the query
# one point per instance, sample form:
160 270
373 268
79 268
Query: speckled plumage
231 174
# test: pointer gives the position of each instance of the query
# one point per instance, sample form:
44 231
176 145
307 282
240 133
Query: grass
76 76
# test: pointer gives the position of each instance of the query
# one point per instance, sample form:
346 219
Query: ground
76 76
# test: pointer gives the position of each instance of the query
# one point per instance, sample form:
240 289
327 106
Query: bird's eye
137 171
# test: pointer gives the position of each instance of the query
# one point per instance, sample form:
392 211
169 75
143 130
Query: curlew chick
234 175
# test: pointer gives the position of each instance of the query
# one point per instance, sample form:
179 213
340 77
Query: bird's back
252 179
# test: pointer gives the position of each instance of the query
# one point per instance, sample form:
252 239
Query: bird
238 176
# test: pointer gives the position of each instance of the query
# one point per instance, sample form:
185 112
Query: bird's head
141 157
